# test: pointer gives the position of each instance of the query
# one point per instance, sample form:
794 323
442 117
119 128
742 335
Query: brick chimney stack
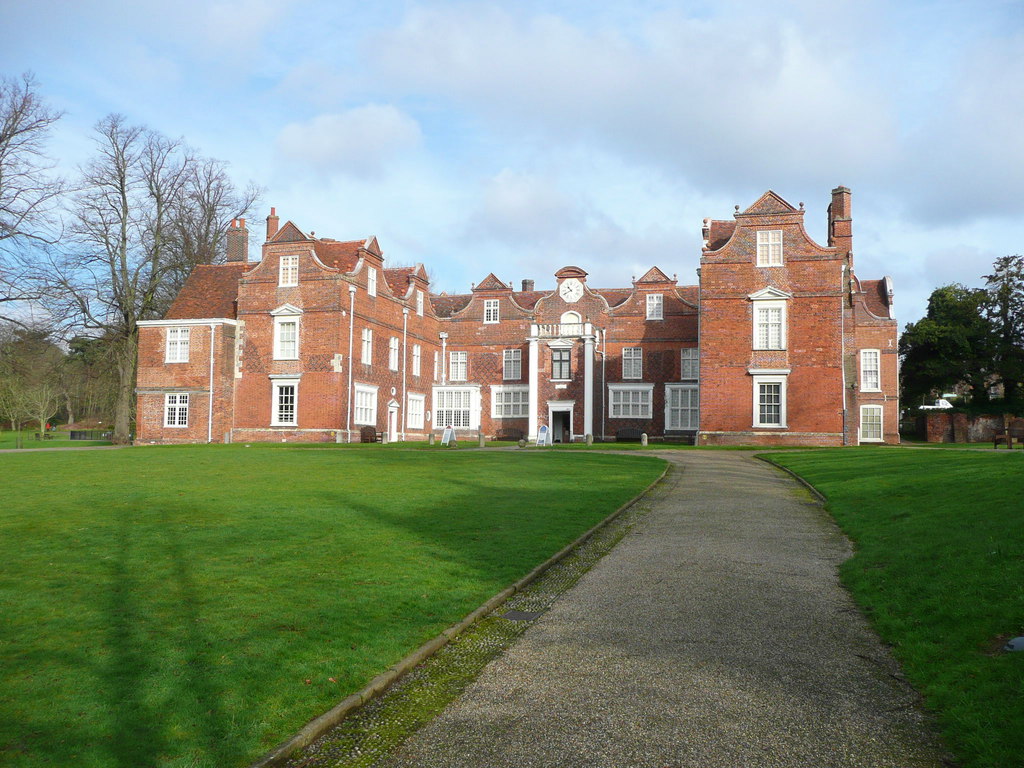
527 285
272 223
840 220
238 241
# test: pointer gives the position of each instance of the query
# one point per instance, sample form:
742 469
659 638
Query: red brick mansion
779 343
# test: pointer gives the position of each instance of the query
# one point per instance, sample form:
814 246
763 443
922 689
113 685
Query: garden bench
628 435
511 435
44 436
1012 431
370 435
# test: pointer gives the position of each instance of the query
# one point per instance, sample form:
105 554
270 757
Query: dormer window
289 271
371 281
490 310
769 248
655 306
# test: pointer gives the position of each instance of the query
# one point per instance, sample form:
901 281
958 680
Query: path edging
814 491
317 727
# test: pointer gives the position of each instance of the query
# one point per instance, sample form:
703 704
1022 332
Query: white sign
543 435
449 436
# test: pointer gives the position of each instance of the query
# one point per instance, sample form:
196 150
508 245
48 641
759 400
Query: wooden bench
510 435
1007 434
370 435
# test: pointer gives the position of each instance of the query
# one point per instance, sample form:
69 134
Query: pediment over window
289 233
770 202
286 309
770 293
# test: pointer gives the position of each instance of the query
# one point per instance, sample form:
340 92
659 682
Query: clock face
571 290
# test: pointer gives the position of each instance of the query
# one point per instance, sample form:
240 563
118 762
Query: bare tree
28 192
138 196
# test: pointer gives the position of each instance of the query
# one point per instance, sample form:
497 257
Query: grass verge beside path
195 605
939 569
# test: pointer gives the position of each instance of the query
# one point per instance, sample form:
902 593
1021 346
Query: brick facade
779 343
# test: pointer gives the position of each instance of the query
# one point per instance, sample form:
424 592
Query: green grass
189 606
58 439
939 568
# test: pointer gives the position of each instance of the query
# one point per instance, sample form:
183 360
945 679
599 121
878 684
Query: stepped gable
340 254
770 203
655 276
289 233
397 279
446 306
491 283
210 291
718 233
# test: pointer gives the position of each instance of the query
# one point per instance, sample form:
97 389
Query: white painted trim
278 381
760 379
881 425
190 321
499 389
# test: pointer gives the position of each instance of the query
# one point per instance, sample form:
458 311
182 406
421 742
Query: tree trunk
123 406
67 405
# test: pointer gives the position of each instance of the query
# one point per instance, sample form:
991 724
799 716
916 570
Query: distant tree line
971 340
95 254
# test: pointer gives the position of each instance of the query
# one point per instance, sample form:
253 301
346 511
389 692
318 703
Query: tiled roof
342 254
210 291
528 299
689 293
398 279
446 306
720 232
875 297
614 296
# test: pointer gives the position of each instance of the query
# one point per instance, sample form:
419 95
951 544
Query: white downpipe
405 367
842 342
351 332
209 416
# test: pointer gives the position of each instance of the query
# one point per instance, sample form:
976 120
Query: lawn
195 605
57 439
939 568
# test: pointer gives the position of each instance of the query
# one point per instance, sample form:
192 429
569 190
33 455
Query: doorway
561 426
392 435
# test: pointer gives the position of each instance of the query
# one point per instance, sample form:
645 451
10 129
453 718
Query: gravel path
715 634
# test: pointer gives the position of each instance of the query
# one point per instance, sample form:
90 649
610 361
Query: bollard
643 439
482 439
430 439
590 439
522 443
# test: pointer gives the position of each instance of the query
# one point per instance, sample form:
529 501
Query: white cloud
360 141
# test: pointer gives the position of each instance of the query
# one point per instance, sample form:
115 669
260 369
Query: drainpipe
842 341
209 416
405 366
444 357
604 386
351 331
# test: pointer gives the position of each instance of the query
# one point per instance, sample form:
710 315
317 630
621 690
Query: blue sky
522 137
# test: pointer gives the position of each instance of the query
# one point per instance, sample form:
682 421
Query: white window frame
278 384
417 356
770 379
693 409
766 307
371 281
437 363
458 365
176 410
871 370
864 409
655 306
561 350
641 409
364 405
468 409
510 401
689 363
177 344
512 364
288 271
769 248
419 303
492 312
393 353
632 363
280 351
415 410
366 348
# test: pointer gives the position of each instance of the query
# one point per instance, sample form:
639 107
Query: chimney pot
272 223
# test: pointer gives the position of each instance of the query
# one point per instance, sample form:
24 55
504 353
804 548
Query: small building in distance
780 343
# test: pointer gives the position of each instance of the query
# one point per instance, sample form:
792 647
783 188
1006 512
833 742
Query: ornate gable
289 233
656 276
769 203
491 283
